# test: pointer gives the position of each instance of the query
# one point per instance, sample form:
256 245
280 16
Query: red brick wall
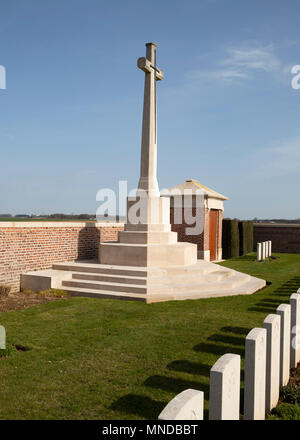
26 246
201 240
285 238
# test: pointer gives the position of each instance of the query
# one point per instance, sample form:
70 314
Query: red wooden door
213 215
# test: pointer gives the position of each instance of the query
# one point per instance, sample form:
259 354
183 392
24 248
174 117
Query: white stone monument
147 263
295 329
270 248
147 239
284 311
187 405
263 250
267 249
259 252
272 325
224 391
255 374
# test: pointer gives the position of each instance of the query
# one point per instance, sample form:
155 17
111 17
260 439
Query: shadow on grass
244 258
139 405
175 385
186 366
218 349
279 295
237 330
231 340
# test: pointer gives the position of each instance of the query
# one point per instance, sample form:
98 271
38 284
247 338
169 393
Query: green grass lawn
108 359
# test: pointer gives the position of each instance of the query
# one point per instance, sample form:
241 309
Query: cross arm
147 67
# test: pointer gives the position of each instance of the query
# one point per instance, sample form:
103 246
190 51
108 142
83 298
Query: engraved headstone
272 324
224 394
284 311
187 405
255 374
2 338
295 329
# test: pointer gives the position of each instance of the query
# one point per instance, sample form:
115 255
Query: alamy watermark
188 207
296 337
2 78
296 79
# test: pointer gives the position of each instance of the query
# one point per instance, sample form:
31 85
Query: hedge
246 237
237 238
230 238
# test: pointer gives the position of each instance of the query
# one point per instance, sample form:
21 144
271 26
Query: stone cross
148 177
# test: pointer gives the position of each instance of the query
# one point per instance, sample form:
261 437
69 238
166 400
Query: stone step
248 288
162 286
200 268
120 279
105 294
103 285
191 278
86 278
102 269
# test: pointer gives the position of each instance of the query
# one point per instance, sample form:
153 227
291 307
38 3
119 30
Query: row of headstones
264 250
270 352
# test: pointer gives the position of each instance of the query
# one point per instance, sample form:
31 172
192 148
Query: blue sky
70 118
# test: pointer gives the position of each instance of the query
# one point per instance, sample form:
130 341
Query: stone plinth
148 241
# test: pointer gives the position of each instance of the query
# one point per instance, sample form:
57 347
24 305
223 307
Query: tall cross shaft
148 175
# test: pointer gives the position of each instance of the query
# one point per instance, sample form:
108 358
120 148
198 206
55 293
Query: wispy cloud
252 58
240 63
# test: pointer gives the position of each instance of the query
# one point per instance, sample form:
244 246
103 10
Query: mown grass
108 359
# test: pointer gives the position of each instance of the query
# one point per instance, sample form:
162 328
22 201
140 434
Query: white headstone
255 374
295 329
267 249
187 405
224 394
284 311
270 248
263 250
259 252
2 338
272 324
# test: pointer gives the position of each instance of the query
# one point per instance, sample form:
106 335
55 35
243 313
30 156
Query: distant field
13 219
18 219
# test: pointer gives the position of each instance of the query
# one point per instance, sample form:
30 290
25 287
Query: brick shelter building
196 215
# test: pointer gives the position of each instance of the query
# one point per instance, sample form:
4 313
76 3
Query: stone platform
146 284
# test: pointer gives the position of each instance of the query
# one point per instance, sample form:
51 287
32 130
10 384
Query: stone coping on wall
57 224
277 225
